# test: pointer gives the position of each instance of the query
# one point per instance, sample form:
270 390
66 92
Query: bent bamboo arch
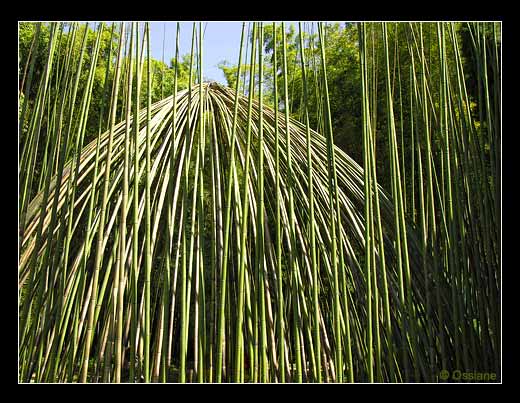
70 282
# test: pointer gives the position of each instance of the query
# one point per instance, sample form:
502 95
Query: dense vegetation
332 215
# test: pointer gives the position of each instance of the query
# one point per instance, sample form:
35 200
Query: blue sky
221 42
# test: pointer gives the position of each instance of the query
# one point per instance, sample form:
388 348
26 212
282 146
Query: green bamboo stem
97 263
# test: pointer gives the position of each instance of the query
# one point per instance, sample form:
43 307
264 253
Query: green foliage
162 75
230 72
163 78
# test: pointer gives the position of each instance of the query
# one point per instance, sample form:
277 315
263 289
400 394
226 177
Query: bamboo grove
212 236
